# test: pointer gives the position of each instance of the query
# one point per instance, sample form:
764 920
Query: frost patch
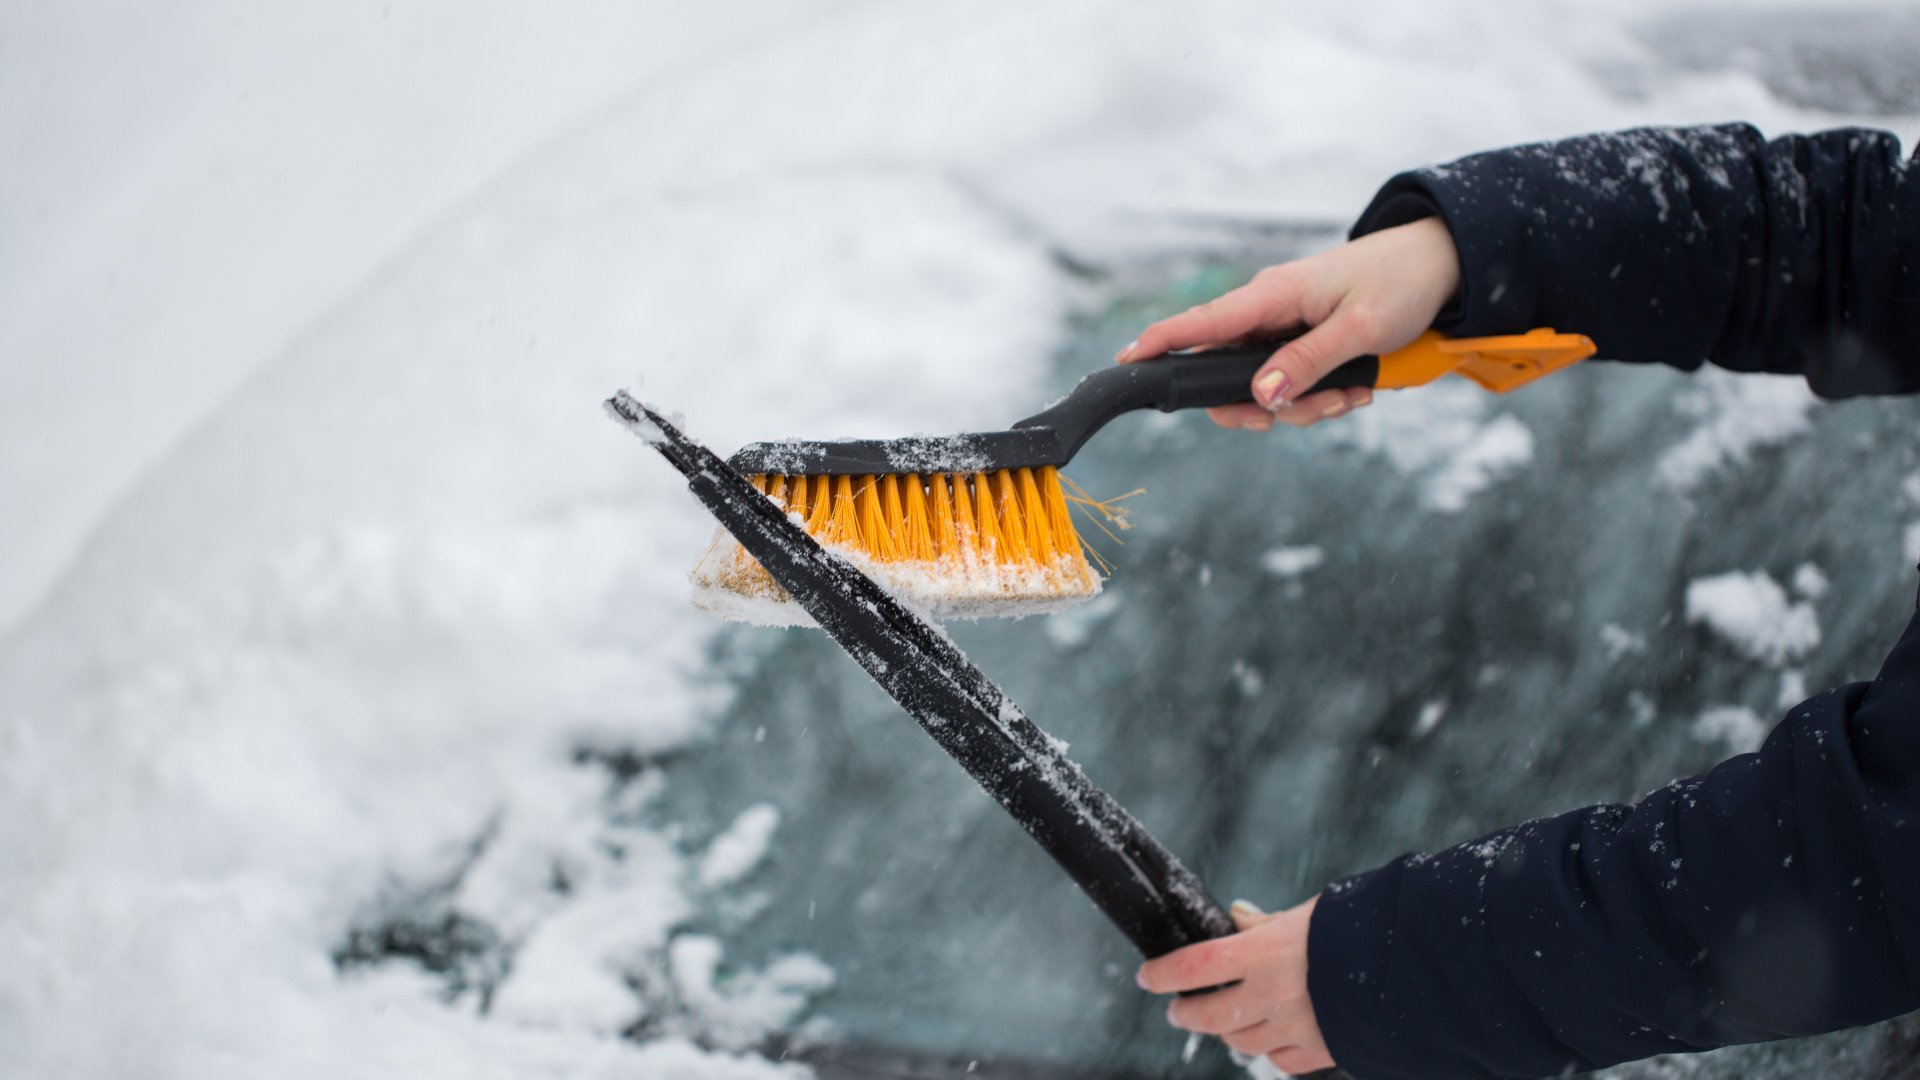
1641 710
1441 433
1793 688
1071 628
1291 562
1911 543
1809 583
1496 450
572 973
1621 642
1430 716
737 1011
737 851
1736 725
1249 678
1734 415
1753 613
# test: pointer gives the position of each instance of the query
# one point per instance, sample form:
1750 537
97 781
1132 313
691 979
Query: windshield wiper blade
1135 881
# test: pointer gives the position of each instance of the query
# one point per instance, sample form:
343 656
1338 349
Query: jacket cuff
1348 942
1407 983
1488 302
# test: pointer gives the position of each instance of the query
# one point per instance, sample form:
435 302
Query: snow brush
980 524
1154 900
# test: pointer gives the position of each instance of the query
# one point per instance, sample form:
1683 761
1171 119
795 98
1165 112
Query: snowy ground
326 569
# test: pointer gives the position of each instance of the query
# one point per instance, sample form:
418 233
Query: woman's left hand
1268 1014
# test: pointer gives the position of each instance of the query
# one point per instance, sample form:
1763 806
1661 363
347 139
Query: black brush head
1050 437
975 452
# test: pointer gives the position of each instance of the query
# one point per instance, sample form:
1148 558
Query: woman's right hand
1372 295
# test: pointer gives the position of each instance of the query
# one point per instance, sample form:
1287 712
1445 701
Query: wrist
1438 259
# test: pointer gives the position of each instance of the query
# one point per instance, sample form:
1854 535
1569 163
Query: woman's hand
1268 1014
1373 295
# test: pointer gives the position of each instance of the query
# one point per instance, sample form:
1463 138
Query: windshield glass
1317 650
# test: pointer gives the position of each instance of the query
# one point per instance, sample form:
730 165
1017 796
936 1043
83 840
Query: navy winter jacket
1778 894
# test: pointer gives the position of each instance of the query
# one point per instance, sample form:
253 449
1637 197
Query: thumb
1307 359
1246 915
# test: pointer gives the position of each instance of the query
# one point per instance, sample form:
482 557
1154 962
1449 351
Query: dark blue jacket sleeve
1681 245
1779 894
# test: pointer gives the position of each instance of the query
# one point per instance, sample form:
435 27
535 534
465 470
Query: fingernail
1334 409
1123 354
1271 388
1170 1018
1245 907
1366 399
1259 423
1140 978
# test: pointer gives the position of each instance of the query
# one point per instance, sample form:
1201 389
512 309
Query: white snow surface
1497 449
1443 435
734 853
1809 581
1737 414
1621 642
1754 614
368 568
1431 713
1293 560
1738 727
1793 688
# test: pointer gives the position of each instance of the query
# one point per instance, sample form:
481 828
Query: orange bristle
967 534
819 508
843 526
990 543
916 531
953 543
1039 533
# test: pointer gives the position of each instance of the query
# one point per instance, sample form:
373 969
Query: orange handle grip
1497 363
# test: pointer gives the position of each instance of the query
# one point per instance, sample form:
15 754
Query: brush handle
1196 381
1225 376
1498 364
1217 377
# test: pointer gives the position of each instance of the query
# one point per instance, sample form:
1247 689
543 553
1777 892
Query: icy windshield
353 717
1318 650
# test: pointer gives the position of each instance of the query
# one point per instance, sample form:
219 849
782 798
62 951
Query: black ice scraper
1154 900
